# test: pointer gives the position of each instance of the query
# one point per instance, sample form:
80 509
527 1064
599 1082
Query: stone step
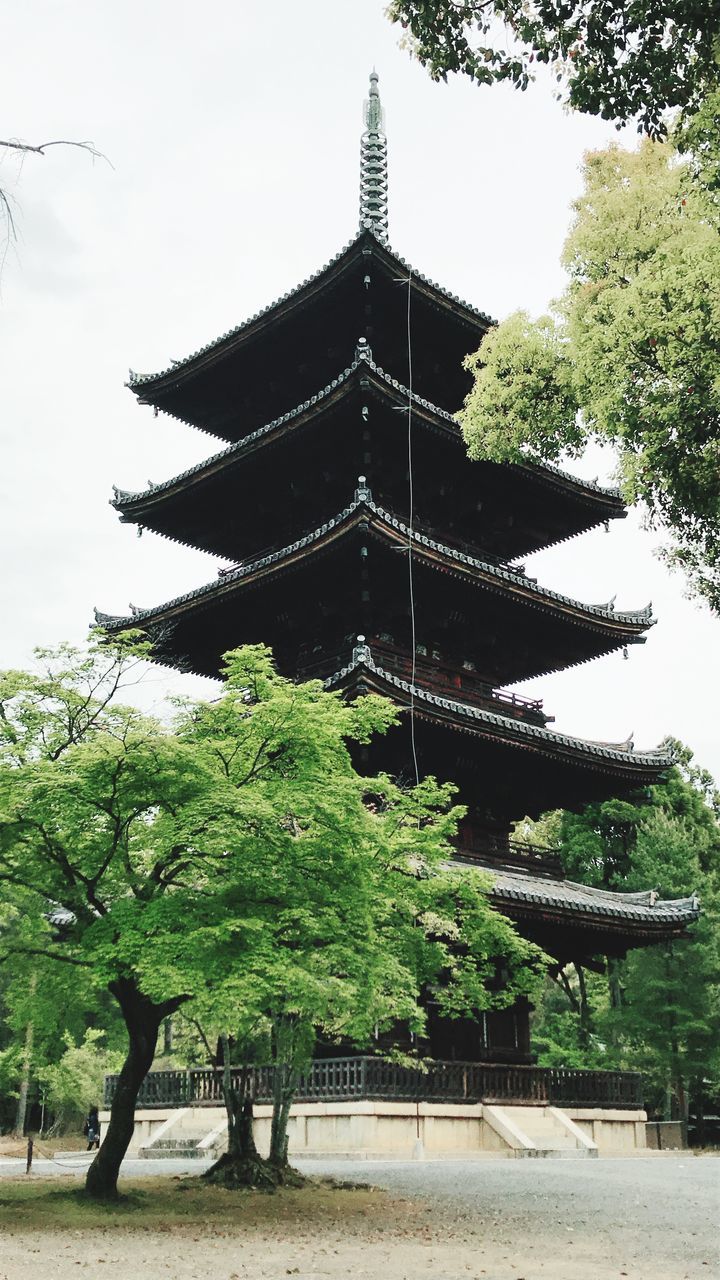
562 1153
545 1130
162 1153
171 1143
172 1149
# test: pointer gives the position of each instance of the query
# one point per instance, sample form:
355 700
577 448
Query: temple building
361 543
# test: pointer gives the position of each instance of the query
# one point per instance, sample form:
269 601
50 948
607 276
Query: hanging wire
410 534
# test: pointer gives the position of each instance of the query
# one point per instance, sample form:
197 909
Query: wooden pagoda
338 485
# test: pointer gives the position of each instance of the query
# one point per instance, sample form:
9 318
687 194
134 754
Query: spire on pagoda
373 165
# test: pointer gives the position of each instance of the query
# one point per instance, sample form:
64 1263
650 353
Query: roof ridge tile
471 711
498 571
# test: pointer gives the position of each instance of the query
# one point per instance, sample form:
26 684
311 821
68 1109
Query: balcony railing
479 846
447 680
342 1079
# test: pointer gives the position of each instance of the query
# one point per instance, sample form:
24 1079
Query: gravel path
643 1218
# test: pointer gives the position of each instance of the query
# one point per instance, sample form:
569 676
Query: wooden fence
342 1079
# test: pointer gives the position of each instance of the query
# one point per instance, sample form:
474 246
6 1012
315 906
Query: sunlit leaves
610 59
634 354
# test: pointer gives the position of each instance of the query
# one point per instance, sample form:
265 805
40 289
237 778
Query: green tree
41 1004
610 59
342 909
633 354
671 1012
86 791
657 1009
236 856
75 1082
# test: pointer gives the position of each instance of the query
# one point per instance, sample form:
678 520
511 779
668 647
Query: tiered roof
552 910
239 381
221 505
227 610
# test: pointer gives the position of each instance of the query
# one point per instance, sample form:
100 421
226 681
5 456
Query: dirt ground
17 1147
187 1231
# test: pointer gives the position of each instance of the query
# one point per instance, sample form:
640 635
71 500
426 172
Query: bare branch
14 144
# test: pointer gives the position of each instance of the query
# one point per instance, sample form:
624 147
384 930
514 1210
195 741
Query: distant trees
658 1010
632 354
235 863
610 59
45 1006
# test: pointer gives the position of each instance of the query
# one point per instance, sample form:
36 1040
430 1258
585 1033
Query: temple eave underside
228 387
237 495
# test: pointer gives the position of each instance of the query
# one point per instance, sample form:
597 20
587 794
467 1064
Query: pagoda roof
539 738
601 503
267 364
618 627
642 914
177 370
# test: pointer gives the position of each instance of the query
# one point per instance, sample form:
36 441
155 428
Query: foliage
75 1082
658 1010
557 1032
57 1002
634 348
235 859
341 909
610 59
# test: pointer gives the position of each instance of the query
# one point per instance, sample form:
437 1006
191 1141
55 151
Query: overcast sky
233 131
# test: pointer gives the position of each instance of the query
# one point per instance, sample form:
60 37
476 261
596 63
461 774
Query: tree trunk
585 1027
240 1165
698 1103
142 1019
284 1088
678 1086
26 1066
617 998
291 1041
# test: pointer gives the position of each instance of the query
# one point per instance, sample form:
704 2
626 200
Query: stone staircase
539 1131
185 1135
180 1148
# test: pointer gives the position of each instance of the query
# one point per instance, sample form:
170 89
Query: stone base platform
400 1130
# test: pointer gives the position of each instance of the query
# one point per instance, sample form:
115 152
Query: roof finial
373 164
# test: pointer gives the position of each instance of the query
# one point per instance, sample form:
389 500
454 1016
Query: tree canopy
609 59
234 858
632 354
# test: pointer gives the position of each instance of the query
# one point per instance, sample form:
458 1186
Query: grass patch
163 1204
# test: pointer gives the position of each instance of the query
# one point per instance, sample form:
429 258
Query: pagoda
363 546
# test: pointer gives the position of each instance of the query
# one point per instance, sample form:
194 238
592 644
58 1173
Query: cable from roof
411 497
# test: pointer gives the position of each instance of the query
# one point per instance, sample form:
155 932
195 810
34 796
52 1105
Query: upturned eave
148 386
363 671
641 916
133 506
626 625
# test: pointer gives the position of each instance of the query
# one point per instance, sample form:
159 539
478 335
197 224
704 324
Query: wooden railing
447 680
482 847
342 1079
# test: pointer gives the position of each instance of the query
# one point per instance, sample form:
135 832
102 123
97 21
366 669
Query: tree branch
13 144
49 955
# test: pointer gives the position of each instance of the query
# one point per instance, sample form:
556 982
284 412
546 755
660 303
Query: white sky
233 130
